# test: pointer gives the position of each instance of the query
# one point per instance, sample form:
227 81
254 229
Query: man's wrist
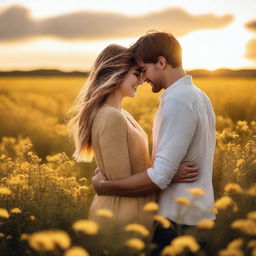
105 187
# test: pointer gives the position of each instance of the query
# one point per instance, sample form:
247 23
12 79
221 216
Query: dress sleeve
113 141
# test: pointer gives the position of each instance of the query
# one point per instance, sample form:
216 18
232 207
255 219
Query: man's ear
162 62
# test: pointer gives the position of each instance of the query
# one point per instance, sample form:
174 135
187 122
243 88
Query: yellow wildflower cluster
15 210
104 213
247 226
5 191
135 243
233 187
183 200
48 240
151 207
233 248
196 191
88 227
163 221
76 251
179 244
205 224
137 228
223 202
4 213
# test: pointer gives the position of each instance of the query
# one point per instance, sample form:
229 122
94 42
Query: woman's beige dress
121 149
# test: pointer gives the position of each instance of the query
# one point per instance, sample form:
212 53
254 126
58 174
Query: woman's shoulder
108 114
127 114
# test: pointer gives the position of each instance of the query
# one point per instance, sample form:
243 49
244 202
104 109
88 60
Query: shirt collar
187 79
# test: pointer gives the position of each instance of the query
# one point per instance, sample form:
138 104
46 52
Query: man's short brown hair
154 44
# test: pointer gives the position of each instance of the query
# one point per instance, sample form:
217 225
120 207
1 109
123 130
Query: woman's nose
141 78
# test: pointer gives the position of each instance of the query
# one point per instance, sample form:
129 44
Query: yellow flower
231 252
4 213
24 236
1 235
233 187
151 206
83 189
196 191
104 213
245 225
236 243
135 243
47 240
15 210
223 202
83 179
5 191
233 248
3 157
24 166
183 200
15 180
252 244
206 224
252 215
60 238
163 221
182 242
240 162
236 170
252 191
88 227
235 207
32 217
168 251
76 251
137 228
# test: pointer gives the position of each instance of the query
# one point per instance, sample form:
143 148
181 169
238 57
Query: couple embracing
183 138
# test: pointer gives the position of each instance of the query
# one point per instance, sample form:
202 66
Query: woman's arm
113 142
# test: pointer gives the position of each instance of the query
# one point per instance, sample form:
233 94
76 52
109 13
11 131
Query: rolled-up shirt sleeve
177 125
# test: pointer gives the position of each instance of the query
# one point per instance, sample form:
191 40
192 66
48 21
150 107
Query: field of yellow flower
45 195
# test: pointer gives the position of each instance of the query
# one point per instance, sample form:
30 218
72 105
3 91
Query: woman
103 130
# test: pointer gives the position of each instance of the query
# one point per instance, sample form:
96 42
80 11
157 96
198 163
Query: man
184 130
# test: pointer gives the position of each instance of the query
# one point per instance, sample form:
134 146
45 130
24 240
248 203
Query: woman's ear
162 62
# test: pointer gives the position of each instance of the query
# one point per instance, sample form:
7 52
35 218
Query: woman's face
128 86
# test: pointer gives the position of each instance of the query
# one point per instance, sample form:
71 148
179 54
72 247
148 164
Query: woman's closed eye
137 74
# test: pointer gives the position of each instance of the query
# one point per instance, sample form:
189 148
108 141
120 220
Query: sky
68 35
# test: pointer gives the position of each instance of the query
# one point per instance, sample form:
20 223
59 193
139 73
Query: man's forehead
140 62
141 65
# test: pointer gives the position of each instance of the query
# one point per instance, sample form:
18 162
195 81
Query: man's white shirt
184 130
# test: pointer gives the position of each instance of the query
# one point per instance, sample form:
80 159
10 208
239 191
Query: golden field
45 195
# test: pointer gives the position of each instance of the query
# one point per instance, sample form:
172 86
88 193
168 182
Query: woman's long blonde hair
108 71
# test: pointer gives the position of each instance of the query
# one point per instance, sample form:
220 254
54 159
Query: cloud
16 23
251 50
251 25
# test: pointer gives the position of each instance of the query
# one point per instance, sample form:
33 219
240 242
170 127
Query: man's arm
136 185
140 184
